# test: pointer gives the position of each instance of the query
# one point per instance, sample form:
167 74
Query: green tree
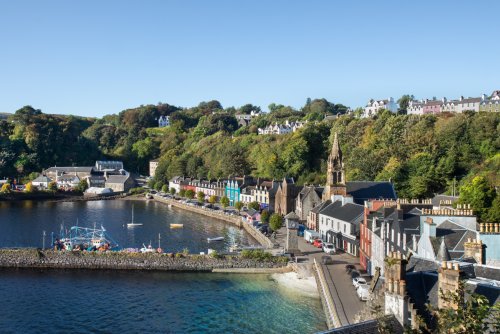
224 201
404 102
494 212
264 216
82 186
164 188
190 194
182 193
172 191
29 187
52 186
201 196
472 315
238 206
212 199
158 185
254 205
479 194
275 222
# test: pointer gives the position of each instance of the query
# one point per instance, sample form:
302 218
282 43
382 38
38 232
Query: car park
356 281
328 248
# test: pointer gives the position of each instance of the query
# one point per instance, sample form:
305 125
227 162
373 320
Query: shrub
137 190
256 254
5 188
164 188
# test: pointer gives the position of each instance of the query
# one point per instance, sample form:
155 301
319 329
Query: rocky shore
36 258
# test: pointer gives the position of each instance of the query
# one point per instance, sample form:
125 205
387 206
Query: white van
310 235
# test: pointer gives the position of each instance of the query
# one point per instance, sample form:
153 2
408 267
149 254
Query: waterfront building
163 121
175 183
120 183
308 198
247 195
374 106
153 164
285 196
265 194
313 217
41 182
81 172
235 185
339 224
67 181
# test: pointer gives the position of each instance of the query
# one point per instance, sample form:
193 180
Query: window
399 236
345 228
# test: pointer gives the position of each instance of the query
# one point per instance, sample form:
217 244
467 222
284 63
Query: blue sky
99 57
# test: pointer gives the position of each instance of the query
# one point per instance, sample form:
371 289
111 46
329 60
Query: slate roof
347 212
70 169
292 215
42 178
117 178
438 198
454 236
319 207
365 190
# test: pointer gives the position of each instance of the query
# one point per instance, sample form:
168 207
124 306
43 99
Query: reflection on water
22 224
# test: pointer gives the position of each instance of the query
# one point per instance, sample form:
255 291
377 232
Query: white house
280 129
41 182
163 121
471 104
339 224
415 107
374 106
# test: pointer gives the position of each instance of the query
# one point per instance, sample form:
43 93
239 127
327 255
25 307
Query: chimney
461 98
483 97
443 99
396 300
474 249
449 279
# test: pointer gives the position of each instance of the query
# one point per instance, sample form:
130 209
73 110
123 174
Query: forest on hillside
422 155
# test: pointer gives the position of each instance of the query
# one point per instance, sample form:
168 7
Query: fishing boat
84 238
215 239
176 225
132 224
148 249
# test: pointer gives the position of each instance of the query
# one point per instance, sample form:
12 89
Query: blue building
234 186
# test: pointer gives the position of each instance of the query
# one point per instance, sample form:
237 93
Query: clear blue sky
100 57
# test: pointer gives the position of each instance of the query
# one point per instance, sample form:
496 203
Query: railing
331 312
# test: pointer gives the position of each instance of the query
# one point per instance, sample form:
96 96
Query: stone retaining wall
34 258
218 214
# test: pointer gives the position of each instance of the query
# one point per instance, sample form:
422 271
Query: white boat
148 249
215 239
176 225
132 224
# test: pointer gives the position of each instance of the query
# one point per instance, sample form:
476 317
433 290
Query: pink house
432 107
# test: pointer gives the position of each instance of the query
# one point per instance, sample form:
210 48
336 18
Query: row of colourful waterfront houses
483 103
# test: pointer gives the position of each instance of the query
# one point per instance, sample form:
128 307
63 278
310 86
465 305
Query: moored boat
176 225
215 239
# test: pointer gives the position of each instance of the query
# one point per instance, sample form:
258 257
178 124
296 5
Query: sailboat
132 224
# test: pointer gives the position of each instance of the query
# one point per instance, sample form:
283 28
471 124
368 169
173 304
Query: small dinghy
215 239
176 225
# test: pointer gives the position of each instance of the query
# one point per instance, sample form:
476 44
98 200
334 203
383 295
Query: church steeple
335 177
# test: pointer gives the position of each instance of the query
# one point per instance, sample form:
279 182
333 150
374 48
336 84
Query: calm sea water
135 302
22 224
147 302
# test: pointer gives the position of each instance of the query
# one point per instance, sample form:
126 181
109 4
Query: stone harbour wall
36 258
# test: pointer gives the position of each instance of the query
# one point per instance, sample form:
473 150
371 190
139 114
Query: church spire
336 153
335 177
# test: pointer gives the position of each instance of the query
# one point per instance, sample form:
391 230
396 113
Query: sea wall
35 258
218 214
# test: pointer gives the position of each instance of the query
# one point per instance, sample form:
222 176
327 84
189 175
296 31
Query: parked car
318 243
356 281
363 292
355 274
325 259
349 268
328 248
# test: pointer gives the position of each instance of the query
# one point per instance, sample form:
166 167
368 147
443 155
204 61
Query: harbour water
152 302
22 224
56 301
